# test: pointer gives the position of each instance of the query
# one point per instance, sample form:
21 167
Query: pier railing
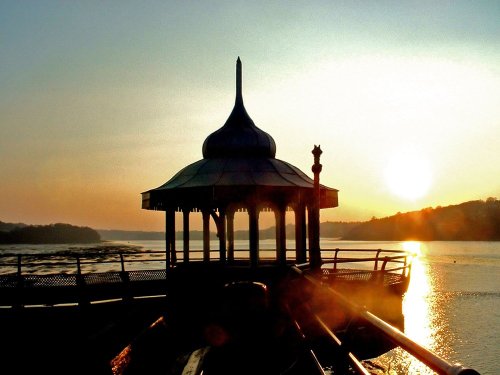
70 262
382 328
75 278
68 277
77 263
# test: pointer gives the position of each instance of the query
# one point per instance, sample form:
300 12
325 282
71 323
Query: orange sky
99 102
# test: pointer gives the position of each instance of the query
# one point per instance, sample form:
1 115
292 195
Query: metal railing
381 327
381 259
384 257
76 278
29 273
76 263
349 261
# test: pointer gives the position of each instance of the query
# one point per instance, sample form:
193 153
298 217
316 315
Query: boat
305 310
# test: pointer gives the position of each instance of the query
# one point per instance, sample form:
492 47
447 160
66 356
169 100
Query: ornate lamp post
314 248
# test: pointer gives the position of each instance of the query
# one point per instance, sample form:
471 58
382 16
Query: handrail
314 358
424 355
76 261
354 362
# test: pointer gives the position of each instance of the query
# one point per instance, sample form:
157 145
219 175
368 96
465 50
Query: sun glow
413 247
408 175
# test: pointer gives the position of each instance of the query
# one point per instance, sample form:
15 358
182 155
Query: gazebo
239 172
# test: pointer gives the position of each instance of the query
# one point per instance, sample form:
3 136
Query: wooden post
122 263
19 265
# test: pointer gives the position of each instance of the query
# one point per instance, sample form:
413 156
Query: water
452 306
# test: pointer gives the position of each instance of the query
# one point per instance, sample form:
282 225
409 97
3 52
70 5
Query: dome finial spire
239 137
239 94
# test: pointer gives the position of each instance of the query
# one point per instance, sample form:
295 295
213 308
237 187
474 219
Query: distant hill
475 220
337 229
469 221
49 234
328 230
7 227
125 235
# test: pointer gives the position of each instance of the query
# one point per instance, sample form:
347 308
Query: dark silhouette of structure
239 171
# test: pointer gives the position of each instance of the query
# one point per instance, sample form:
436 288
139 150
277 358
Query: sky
102 100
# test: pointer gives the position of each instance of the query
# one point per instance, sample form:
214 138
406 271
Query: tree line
50 234
470 221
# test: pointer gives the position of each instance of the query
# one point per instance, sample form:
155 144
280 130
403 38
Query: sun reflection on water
418 318
416 307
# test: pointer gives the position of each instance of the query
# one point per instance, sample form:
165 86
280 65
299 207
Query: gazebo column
280 235
253 225
230 235
310 229
170 237
206 235
300 234
222 235
313 233
185 234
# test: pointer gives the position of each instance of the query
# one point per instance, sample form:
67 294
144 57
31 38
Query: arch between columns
224 221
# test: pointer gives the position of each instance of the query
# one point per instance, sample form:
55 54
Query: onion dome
239 137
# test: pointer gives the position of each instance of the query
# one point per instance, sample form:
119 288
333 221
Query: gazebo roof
238 172
238 157
239 137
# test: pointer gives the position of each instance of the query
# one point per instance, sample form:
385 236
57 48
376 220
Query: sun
408 175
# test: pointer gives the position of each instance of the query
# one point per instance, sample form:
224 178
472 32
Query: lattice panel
346 274
8 281
349 274
147 275
393 278
102 278
55 280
